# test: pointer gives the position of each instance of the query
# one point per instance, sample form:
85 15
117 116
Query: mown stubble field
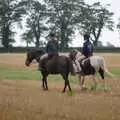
25 99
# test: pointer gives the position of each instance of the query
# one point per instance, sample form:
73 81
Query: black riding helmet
52 34
86 36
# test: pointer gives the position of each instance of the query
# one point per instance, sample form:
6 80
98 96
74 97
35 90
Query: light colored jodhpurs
76 63
44 56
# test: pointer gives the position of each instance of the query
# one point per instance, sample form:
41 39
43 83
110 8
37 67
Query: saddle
86 66
43 63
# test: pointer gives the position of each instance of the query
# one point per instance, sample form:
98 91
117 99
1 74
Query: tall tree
63 18
10 13
28 38
118 26
95 19
35 21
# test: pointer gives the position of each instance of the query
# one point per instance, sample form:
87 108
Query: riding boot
76 69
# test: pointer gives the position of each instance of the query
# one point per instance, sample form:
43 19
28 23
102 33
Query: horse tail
106 70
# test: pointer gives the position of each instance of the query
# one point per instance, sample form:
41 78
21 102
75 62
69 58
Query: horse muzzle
27 63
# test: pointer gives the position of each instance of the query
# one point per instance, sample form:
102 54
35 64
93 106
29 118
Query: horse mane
40 51
72 54
35 50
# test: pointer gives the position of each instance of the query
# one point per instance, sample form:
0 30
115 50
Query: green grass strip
32 74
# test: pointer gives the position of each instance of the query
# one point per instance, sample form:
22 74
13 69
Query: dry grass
25 100
18 60
13 60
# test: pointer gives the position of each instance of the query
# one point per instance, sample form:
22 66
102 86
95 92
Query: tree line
63 17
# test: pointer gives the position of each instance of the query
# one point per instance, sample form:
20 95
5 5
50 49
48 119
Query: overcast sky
112 37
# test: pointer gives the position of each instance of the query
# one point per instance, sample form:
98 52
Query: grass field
22 98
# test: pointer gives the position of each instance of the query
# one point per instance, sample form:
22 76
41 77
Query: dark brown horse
56 65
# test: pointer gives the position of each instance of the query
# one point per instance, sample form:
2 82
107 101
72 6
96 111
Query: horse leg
95 82
81 80
101 72
44 81
65 84
68 83
65 77
82 83
43 85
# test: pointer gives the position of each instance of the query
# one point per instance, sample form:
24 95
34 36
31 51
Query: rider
88 47
51 48
76 64
87 51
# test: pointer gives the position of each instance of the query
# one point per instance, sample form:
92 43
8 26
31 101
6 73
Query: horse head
73 54
33 54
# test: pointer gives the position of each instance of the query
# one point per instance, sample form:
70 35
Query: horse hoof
70 93
63 91
45 89
83 89
93 88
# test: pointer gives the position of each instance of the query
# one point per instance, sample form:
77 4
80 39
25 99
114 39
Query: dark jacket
87 49
52 47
